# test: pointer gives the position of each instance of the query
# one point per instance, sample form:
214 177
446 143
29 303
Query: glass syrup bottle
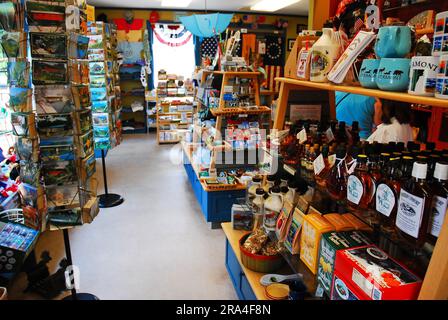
439 188
322 176
360 185
386 196
258 208
337 178
414 207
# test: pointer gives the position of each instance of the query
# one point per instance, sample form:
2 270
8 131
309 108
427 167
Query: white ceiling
300 8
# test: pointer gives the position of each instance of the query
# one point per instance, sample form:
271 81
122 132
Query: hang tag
330 135
288 169
301 136
352 167
332 160
319 164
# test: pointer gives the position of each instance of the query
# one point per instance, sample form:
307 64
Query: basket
258 262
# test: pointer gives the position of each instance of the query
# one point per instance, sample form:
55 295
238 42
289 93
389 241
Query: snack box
376 276
342 290
357 224
314 225
330 243
339 223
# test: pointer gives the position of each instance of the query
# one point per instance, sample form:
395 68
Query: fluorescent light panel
176 3
272 5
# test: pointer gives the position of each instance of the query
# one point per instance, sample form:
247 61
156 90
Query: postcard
89 166
96 42
9 16
57 153
97 81
45 17
60 196
13 44
50 125
85 144
20 99
21 123
97 94
30 172
81 96
101 132
27 148
49 72
100 119
59 172
83 121
54 99
60 218
19 73
100 106
48 45
102 143
79 72
78 46
97 68
96 55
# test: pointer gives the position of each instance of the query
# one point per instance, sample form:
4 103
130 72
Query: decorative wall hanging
172 35
209 46
249 46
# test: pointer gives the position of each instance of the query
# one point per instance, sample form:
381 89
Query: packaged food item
292 240
283 221
375 276
357 224
314 225
330 243
342 290
303 61
339 222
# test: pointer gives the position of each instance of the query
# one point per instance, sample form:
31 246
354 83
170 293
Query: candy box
357 224
372 273
339 222
314 225
330 243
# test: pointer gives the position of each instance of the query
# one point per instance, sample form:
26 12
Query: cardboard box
292 241
314 225
330 243
339 222
372 273
357 224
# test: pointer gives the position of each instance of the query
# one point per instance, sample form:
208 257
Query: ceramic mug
393 74
368 72
393 42
423 76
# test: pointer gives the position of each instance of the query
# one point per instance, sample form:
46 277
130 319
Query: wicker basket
258 262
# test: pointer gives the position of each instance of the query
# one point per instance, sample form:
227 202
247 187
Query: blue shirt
353 107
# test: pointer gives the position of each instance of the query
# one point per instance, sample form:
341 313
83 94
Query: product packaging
375 276
292 240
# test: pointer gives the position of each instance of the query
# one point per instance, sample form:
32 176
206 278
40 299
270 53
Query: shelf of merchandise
247 282
435 283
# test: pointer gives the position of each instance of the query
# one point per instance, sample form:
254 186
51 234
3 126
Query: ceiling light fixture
176 3
272 5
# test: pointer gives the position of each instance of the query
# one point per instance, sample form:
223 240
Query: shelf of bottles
104 85
54 139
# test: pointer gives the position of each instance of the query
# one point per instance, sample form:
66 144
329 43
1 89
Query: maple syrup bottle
432 161
337 178
414 207
439 188
360 185
386 196
384 159
400 146
341 134
322 176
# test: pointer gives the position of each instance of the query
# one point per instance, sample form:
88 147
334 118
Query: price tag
320 291
332 160
301 136
352 167
243 30
330 135
319 164
288 169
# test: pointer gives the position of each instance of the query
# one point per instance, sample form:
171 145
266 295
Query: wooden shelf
237 111
234 73
397 96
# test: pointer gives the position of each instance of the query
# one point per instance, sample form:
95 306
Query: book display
104 85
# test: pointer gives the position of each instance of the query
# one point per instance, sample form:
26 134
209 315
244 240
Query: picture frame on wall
291 43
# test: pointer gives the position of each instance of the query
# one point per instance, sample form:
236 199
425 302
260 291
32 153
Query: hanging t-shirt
122 24
274 51
209 47
132 52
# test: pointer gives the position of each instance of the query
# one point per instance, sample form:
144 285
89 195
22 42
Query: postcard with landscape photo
20 123
13 43
51 125
54 99
100 119
19 73
81 96
97 68
48 45
57 153
100 106
60 218
101 132
27 148
20 99
30 172
102 143
49 72
86 144
83 120
46 16
78 46
97 81
8 16
97 94
59 172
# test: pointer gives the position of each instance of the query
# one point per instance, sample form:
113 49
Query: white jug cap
441 171
419 170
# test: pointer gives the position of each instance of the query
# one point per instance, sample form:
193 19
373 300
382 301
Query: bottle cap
362 158
259 192
441 171
422 159
271 178
340 152
256 179
419 170
284 189
292 184
430 146
275 189
400 146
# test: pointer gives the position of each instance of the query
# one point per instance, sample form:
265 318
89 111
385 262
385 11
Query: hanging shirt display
132 52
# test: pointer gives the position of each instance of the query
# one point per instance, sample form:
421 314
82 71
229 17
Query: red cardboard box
342 289
376 276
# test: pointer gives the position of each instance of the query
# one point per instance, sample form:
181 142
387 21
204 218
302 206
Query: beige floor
156 245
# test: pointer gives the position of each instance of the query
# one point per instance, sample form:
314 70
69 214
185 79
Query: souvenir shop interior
223 150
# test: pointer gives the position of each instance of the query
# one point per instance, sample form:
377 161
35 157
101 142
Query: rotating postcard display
60 75
104 85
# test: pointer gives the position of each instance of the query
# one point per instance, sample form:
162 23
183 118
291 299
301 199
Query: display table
215 205
246 282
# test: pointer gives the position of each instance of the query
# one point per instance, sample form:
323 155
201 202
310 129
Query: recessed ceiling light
176 3
272 5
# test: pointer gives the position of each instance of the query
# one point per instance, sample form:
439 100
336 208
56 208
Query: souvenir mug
393 42
423 76
393 74
368 72
442 78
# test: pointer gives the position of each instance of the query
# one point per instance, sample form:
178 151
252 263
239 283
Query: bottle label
330 135
438 215
354 189
385 200
319 164
410 213
332 160
270 220
301 136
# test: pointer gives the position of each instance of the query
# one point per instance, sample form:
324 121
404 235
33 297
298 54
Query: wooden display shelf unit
435 283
